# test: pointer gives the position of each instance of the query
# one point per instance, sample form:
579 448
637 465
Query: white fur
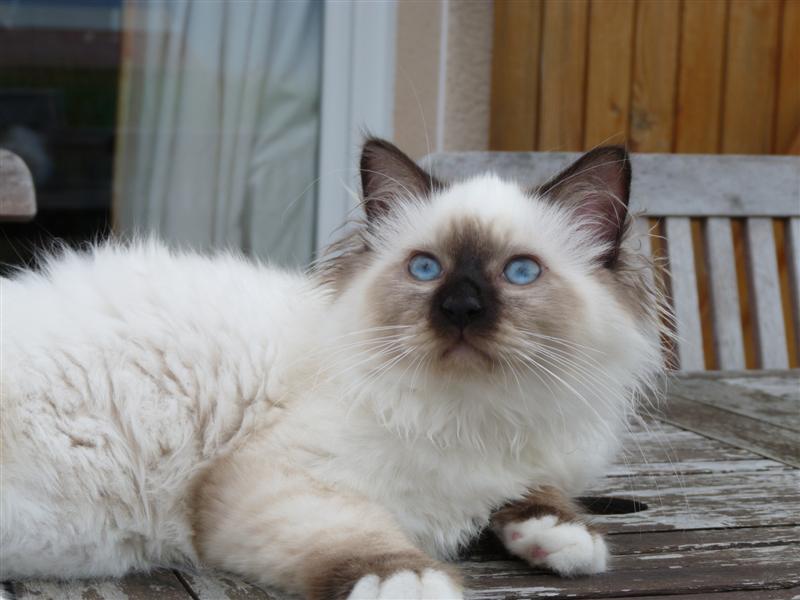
128 370
569 549
405 585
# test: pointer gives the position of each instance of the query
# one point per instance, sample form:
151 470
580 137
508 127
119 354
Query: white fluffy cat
466 358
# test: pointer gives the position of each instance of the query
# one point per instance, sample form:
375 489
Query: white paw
407 585
567 548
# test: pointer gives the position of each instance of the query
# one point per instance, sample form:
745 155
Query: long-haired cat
466 358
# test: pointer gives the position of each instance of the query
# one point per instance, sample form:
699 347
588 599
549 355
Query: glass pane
197 121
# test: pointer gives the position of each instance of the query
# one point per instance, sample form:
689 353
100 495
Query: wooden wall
708 76
689 76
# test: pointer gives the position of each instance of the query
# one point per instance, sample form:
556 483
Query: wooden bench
716 189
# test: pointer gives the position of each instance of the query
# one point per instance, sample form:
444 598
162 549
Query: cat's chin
463 354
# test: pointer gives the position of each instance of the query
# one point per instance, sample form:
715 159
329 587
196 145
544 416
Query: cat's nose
463 305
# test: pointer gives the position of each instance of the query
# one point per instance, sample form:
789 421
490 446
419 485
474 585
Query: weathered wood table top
719 471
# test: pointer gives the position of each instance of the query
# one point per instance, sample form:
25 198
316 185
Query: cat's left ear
597 186
389 176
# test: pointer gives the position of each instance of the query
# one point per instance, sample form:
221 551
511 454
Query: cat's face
484 277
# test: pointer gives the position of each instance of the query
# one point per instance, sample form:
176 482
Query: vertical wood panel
752 55
793 260
766 295
641 228
515 75
564 39
654 75
787 119
700 77
684 293
608 87
729 343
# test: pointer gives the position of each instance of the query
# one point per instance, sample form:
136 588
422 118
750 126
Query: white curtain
219 121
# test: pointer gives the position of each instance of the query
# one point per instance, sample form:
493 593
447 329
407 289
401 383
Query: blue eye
521 271
424 267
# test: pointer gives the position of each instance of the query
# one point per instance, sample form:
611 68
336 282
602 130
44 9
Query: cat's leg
274 525
545 529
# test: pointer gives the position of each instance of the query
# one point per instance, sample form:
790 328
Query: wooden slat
728 339
780 410
763 438
211 585
787 117
665 443
654 76
701 571
766 295
608 88
515 75
785 387
704 501
701 68
684 294
160 584
563 68
663 184
752 55
778 594
793 259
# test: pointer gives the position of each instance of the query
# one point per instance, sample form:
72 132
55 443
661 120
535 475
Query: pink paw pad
539 553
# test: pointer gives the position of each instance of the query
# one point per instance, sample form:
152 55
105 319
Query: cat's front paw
431 584
568 548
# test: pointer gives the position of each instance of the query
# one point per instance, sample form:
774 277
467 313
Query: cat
466 357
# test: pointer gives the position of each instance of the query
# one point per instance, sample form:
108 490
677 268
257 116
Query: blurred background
237 123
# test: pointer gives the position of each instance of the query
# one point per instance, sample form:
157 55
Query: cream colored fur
167 408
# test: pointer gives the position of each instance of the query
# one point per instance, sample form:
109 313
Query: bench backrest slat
726 311
685 298
766 294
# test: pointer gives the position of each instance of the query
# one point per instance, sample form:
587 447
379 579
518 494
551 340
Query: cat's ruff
164 408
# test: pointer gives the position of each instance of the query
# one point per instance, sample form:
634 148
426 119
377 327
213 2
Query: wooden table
718 470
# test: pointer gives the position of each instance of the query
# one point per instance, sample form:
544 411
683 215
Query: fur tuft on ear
388 175
597 186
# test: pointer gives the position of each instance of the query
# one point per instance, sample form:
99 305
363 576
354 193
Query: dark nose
463 305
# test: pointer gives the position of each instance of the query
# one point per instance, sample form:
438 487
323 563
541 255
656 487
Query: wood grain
211 585
787 115
697 121
684 294
704 501
563 69
781 410
752 434
159 584
655 76
515 75
765 293
701 571
752 61
728 338
611 25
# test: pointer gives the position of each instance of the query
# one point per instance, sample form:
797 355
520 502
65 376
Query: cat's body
161 408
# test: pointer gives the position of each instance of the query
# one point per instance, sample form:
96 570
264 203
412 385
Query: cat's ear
388 176
597 186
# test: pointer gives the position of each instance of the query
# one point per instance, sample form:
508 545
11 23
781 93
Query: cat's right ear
389 176
597 187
